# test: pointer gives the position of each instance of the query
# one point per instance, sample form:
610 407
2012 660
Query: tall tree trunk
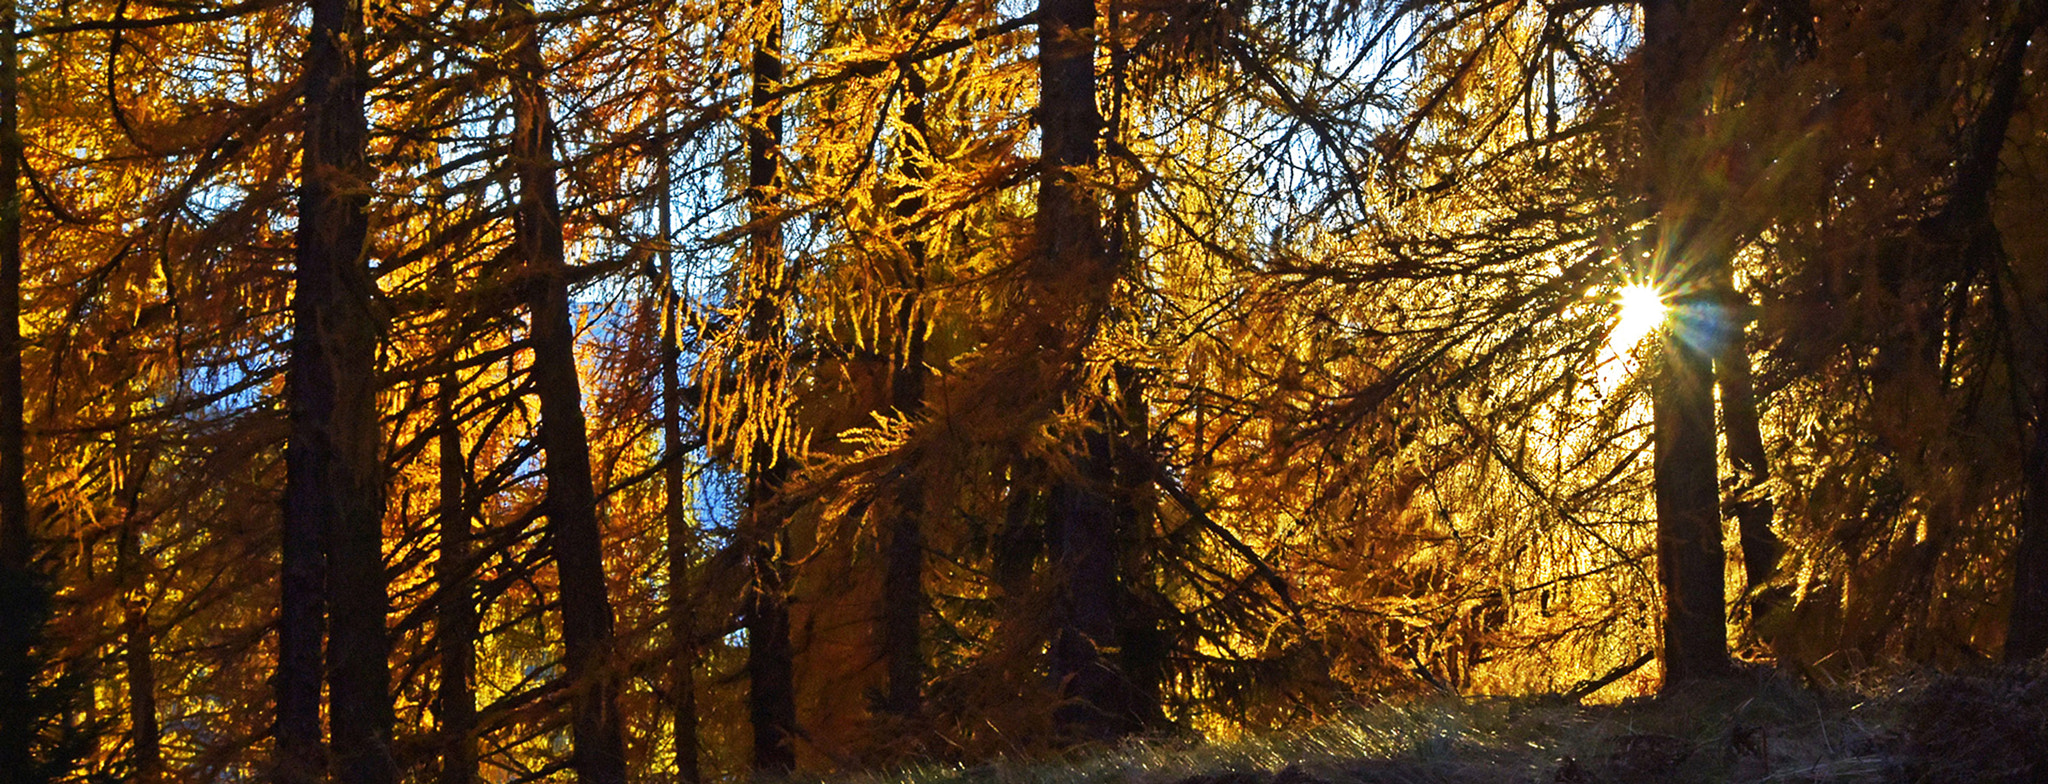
1968 218
1074 261
1143 644
144 734
1761 547
903 599
1689 555
680 536
334 489
576 541
1082 530
456 621
1678 37
22 603
771 692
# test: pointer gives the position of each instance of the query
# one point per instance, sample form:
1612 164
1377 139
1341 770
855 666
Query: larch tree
1071 276
679 537
1680 38
22 596
334 580
903 602
765 291
590 663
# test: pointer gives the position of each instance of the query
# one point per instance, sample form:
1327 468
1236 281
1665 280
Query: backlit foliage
1373 360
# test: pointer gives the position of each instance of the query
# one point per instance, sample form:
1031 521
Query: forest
729 390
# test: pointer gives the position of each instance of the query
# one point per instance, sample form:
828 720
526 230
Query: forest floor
1753 728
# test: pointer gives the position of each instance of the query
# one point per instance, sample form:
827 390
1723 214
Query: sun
1642 311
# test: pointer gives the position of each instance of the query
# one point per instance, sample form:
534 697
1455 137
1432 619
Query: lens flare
1642 311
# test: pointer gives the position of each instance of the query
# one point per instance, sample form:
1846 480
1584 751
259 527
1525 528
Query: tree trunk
1021 540
1969 210
1073 263
1761 547
144 735
1689 555
680 536
22 604
1678 37
334 489
456 623
903 599
2026 636
1094 704
771 693
1144 645
576 541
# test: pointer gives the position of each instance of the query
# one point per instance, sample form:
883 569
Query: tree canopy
614 391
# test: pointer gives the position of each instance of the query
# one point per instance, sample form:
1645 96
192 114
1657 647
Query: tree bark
771 693
456 621
680 536
1143 645
22 602
144 734
2026 636
1969 213
1761 547
1678 38
575 538
1689 555
1073 263
903 599
334 489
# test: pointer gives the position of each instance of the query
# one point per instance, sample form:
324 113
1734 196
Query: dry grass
1755 728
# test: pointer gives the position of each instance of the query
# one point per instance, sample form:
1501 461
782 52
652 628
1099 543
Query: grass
1754 728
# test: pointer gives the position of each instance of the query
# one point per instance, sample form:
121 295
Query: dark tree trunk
771 692
1689 555
144 734
22 604
2026 636
1969 213
1761 547
1021 541
1096 703
1074 262
334 489
680 536
903 599
456 623
1678 38
575 539
1144 644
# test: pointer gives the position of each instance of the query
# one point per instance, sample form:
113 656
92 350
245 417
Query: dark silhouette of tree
1073 264
903 599
1680 39
766 289
334 579
24 602
678 537
590 665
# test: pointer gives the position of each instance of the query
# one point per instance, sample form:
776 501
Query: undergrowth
1753 728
